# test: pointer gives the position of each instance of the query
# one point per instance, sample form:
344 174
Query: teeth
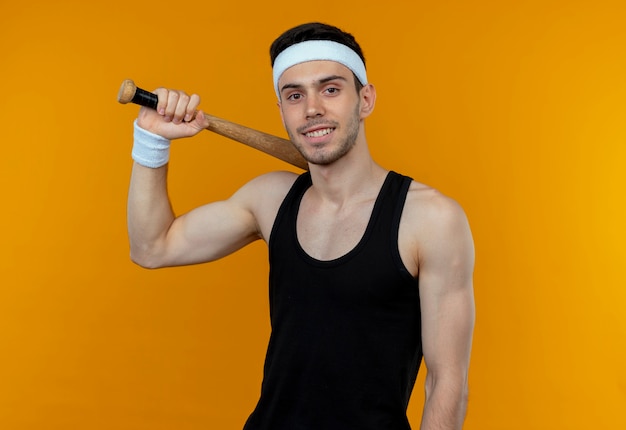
319 133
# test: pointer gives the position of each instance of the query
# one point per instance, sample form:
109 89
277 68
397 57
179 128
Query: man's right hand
175 116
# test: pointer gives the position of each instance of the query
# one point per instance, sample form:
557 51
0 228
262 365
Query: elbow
456 388
446 404
144 263
145 258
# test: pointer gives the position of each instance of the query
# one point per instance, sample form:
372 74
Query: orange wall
516 109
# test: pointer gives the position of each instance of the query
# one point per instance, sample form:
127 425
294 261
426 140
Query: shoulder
437 223
278 182
432 206
263 195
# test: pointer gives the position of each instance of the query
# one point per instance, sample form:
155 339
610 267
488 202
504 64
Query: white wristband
149 149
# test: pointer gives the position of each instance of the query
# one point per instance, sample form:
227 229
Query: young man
369 270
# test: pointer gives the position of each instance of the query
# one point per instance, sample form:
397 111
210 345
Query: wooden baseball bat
273 145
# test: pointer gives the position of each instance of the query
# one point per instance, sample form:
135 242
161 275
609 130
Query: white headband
316 50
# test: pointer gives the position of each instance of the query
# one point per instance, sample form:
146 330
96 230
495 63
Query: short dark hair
315 31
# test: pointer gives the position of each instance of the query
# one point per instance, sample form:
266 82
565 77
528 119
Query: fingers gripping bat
272 145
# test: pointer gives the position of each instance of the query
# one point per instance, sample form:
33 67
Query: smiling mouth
320 132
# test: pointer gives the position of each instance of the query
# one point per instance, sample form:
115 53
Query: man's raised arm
157 237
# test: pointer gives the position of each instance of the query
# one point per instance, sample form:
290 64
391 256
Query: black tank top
345 346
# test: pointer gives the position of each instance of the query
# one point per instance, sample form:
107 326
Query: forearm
150 213
445 405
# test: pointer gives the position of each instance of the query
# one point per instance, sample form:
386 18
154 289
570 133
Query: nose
314 106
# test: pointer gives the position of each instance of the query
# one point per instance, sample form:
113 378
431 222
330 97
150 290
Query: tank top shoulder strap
389 212
392 198
292 200
400 189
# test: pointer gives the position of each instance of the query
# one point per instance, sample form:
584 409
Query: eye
294 97
332 90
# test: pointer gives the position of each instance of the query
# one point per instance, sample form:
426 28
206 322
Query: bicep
218 229
209 232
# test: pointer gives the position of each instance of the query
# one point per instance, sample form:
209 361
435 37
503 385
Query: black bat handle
130 93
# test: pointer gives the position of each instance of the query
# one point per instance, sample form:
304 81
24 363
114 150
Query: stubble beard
322 157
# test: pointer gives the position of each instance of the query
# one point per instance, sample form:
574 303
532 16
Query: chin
325 158
326 154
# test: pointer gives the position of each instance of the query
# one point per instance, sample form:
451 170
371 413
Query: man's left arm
446 264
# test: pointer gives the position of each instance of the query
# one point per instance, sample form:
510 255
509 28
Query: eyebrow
319 82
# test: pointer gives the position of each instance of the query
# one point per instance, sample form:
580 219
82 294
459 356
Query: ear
280 109
368 100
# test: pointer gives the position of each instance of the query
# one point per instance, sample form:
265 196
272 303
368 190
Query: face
321 110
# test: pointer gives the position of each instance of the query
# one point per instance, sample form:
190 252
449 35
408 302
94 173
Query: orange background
515 109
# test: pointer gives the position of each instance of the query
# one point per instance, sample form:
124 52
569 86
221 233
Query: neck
354 176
